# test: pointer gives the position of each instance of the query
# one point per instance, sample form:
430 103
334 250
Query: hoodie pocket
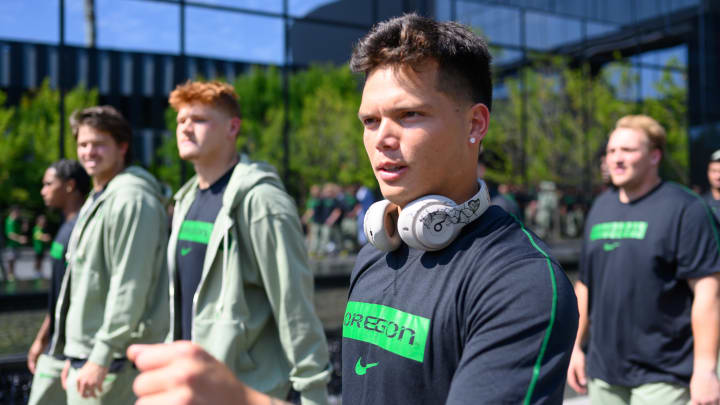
226 341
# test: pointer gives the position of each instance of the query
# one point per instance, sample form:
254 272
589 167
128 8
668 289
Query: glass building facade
143 48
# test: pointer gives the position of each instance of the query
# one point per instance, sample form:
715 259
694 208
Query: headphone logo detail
461 214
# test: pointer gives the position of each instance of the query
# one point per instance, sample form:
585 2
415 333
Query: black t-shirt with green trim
58 265
490 319
636 261
193 239
713 204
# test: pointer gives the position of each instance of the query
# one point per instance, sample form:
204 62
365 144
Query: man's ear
479 122
234 129
123 146
70 185
655 156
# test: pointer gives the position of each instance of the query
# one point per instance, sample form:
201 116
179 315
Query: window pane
597 29
499 24
357 12
128 25
312 42
234 36
29 20
502 56
662 57
273 6
546 31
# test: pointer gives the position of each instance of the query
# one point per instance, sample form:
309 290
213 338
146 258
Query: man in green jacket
114 292
241 287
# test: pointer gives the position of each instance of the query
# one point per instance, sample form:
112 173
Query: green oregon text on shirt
195 231
619 230
396 331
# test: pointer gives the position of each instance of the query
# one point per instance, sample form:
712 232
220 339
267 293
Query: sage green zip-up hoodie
253 308
114 292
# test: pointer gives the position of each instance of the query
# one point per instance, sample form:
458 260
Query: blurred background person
649 283
40 240
13 239
65 186
713 194
116 292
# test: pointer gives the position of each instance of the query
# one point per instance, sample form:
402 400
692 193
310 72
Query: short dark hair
463 57
72 170
107 119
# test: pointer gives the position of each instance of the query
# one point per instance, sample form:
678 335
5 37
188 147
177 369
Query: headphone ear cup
424 223
377 233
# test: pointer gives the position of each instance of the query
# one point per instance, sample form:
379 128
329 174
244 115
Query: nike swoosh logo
610 246
360 369
185 251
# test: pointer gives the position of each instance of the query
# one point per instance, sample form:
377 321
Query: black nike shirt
636 262
491 319
713 204
58 248
193 239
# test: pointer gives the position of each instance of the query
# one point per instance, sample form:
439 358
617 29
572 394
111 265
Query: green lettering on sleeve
56 251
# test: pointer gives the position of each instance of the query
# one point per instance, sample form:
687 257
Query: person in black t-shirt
65 187
713 195
649 286
466 307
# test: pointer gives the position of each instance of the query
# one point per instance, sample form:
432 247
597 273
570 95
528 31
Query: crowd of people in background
332 215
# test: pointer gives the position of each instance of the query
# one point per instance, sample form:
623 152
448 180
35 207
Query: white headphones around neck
429 223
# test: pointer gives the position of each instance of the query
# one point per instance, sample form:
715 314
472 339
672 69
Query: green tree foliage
568 115
29 141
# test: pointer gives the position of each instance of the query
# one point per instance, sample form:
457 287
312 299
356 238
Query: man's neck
208 173
72 206
715 193
633 192
99 182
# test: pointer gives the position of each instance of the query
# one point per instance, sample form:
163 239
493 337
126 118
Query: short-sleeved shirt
193 239
636 260
12 225
713 204
58 248
489 319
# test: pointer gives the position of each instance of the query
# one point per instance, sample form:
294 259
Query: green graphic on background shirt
195 231
396 331
619 230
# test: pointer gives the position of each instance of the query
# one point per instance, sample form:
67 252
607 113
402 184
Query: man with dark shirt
713 195
65 186
485 317
649 287
242 287
466 307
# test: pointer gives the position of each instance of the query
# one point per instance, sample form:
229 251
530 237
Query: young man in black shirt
467 308
713 195
648 291
65 186
241 286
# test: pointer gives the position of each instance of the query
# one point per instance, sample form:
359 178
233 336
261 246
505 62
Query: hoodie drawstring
226 247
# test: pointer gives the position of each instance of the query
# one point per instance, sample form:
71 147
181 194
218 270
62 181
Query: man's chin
189 156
